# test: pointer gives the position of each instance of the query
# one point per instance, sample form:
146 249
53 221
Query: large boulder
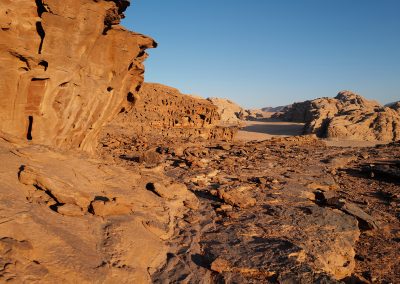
67 68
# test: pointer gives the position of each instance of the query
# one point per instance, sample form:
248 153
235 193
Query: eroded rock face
347 116
162 113
68 68
164 110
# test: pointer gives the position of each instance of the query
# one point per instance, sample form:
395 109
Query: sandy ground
264 130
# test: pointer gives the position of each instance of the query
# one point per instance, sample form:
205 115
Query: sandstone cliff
67 68
347 116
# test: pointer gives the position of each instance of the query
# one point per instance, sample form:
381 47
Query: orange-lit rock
67 68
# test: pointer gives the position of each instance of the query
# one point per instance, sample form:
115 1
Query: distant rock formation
347 116
68 68
230 112
162 112
256 114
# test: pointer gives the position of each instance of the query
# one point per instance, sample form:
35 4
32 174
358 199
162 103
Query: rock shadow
274 127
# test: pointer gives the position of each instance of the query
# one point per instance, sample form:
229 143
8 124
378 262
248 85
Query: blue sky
272 52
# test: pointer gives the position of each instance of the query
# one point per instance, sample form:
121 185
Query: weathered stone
68 68
70 210
161 113
237 197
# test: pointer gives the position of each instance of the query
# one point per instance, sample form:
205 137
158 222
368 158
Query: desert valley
106 178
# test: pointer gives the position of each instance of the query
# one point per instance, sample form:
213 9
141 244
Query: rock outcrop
347 116
162 113
67 68
230 112
70 219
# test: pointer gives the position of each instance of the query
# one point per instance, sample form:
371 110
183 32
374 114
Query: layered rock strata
68 68
347 116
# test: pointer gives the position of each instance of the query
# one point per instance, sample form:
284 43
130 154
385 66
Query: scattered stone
236 198
220 265
368 221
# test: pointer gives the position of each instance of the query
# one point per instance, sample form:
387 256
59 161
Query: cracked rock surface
288 210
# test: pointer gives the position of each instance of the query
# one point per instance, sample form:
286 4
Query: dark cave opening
30 124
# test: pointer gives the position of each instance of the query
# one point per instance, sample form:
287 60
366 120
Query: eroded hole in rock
40 7
45 64
30 124
101 198
42 34
109 89
130 97
64 85
151 187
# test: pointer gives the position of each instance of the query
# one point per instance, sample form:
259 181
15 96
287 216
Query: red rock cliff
67 68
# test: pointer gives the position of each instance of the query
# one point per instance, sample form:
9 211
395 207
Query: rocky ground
287 210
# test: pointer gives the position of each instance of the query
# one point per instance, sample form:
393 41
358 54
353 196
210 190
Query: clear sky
272 52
